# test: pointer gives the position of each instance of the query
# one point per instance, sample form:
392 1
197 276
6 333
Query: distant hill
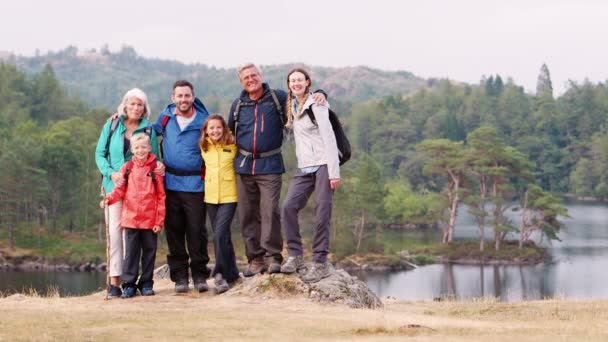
101 77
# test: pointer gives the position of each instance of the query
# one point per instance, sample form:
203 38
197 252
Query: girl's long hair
203 142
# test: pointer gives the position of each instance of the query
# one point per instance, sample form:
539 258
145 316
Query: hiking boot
293 264
274 266
200 285
146 291
128 292
318 271
221 285
114 291
256 266
181 286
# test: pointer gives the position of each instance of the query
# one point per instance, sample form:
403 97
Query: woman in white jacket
318 171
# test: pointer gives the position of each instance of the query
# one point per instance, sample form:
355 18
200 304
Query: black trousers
221 216
185 228
139 243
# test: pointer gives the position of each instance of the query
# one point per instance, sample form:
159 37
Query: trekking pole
106 212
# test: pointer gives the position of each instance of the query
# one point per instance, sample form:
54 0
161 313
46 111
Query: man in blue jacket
180 126
257 120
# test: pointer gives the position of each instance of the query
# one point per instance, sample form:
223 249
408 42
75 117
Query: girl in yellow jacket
218 151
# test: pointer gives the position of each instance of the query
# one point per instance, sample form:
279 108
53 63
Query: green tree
445 157
540 212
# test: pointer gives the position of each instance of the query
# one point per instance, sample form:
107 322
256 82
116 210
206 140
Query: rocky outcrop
339 288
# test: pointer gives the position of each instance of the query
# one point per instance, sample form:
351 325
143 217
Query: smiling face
183 98
298 84
140 149
135 108
251 80
215 130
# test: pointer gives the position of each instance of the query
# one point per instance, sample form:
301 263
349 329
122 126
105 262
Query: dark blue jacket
259 130
180 149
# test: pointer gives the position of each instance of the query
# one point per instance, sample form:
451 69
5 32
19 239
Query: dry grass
169 317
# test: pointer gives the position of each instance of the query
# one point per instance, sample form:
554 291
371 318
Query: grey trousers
259 215
300 188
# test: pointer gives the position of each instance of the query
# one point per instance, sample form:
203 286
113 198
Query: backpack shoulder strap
165 121
311 115
112 129
128 168
235 114
277 103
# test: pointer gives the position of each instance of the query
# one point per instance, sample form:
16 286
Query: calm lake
577 270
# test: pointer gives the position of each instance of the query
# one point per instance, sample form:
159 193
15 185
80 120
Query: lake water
577 270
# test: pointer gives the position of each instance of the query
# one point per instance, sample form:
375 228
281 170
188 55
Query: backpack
129 167
239 102
344 149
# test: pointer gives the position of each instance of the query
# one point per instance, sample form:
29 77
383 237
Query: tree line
551 145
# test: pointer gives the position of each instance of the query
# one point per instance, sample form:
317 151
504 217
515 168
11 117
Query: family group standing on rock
212 167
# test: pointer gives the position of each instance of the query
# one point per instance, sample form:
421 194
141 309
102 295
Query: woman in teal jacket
113 150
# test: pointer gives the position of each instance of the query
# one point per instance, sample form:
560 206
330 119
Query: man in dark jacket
257 120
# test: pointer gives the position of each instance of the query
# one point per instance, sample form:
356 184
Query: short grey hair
138 93
248 65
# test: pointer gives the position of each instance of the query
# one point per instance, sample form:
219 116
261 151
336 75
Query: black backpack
344 149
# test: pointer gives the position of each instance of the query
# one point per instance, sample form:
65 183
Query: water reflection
577 269
66 283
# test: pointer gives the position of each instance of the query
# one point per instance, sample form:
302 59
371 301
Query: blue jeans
221 216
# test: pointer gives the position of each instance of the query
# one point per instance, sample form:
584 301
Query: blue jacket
111 160
259 130
180 149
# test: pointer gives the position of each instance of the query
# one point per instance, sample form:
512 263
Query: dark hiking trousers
185 227
221 216
260 216
300 188
139 243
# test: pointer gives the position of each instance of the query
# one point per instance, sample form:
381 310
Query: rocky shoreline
28 264
373 263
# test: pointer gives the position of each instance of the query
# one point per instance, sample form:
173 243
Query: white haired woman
113 150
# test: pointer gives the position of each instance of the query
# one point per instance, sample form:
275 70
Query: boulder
339 287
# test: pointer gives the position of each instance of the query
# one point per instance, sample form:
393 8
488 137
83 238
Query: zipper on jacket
255 129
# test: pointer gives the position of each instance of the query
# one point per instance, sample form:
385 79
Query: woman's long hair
203 142
290 113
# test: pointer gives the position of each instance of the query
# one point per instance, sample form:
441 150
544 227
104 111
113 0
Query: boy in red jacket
143 215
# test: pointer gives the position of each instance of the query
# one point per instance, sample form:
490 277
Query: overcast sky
461 40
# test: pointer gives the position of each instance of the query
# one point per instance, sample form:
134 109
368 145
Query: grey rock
162 272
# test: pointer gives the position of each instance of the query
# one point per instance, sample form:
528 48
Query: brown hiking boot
256 266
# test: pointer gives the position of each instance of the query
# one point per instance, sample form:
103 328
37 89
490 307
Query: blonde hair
140 137
290 113
137 93
203 142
